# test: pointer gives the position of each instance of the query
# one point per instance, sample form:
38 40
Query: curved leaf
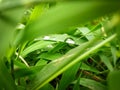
60 18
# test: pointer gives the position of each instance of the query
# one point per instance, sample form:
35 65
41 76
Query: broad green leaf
58 66
92 84
106 61
114 80
68 76
60 18
8 22
6 33
38 10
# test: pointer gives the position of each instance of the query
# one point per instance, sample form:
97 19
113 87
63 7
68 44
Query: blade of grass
68 76
86 33
6 80
35 46
56 67
114 52
88 68
48 87
106 61
91 84
66 17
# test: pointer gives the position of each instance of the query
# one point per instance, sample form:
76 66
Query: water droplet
21 26
50 46
46 38
70 41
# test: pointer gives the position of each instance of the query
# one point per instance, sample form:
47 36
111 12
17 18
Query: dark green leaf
68 76
114 80
66 17
91 84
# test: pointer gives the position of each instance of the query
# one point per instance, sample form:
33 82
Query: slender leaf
106 61
68 76
88 68
55 68
86 33
114 52
50 56
35 46
91 84
6 80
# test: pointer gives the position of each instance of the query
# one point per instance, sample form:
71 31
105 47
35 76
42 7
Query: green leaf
55 37
106 61
8 22
68 76
59 46
22 72
114 80
41 62
91 84
58 66
114 52
38 11
60 18
35 46
50 56
7 4
6 80
86 33
88 68
20 88
47 87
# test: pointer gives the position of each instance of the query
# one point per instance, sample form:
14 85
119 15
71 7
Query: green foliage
59 45
113 80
